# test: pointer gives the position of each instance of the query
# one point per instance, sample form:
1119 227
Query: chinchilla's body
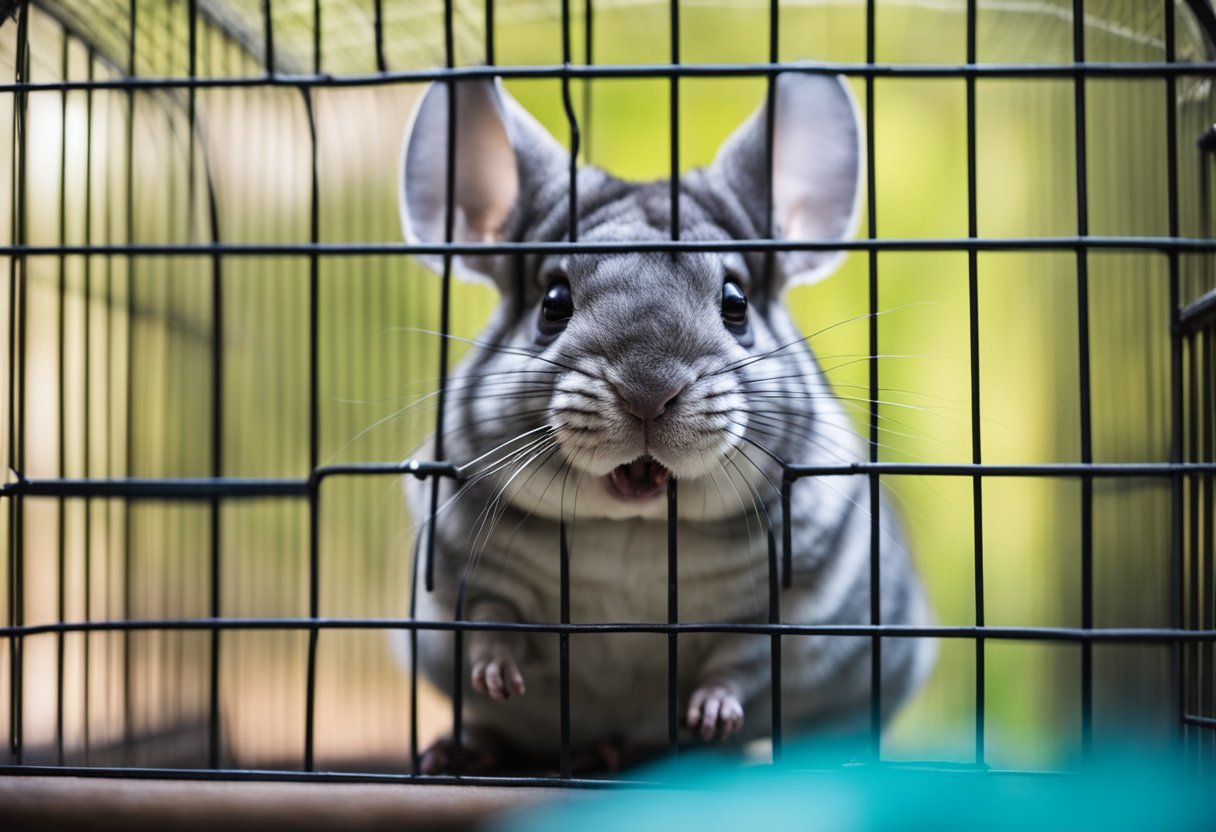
602 376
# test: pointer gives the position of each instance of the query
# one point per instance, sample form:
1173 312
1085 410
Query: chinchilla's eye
557 307
734 306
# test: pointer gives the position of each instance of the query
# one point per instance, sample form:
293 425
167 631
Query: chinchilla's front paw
715 710
496 672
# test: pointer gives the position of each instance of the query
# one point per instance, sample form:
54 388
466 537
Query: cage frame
1192 330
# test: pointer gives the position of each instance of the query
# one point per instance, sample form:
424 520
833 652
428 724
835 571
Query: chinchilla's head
619 370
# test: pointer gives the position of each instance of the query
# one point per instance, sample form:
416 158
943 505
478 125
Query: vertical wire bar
588 42
314 438
774 611
787 529
1191 689
457 761
572 120
563 646
673 617
1087 483
218 404
875 505
11 462
217 410
449 226
129 174
61 416
1208 692
171 586
267 37
673 596
18 307
674 121
774 617
1176 554
381 64
415 756
572 233
87 443
977 483
108 338
445 301
770 122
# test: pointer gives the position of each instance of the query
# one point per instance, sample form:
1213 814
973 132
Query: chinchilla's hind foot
480 752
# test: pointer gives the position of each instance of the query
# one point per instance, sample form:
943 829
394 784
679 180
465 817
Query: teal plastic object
1126 792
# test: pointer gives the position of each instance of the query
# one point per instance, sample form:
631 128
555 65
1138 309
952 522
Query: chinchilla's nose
648 406
649 401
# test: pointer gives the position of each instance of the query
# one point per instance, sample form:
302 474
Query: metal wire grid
1192 384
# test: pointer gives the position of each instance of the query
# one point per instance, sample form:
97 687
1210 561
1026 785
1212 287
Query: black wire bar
18 336
875 485
61 407
1087 454
548 781
774 594
206 488
1093 69
973 311
1191 636
1079 635
1177 556
1059 243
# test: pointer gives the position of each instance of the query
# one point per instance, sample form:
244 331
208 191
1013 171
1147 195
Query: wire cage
213 349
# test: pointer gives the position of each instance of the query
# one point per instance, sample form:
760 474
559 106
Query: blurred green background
118 352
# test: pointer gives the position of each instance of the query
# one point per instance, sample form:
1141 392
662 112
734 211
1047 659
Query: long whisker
498 348
449 381
475 460
751 359
488 518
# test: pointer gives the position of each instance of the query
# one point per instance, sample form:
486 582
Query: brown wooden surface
45 803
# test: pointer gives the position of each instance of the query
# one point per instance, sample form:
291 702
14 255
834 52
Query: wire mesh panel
221 362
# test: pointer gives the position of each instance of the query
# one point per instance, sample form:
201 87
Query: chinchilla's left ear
817 169
503 159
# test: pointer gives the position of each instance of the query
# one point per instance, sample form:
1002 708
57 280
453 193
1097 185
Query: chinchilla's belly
618 681
618 575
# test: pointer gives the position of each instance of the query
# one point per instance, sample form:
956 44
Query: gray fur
643 326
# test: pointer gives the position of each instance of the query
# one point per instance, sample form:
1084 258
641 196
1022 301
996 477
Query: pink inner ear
487 183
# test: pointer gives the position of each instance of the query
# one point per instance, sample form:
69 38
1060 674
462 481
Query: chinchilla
603 375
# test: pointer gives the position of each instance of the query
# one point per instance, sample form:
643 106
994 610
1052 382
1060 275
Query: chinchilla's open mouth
642 479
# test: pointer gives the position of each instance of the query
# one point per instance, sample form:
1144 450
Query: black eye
734 306
556 308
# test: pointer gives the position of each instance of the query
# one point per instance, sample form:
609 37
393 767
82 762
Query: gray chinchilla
601 376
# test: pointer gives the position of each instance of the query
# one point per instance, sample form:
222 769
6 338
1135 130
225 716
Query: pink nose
648 406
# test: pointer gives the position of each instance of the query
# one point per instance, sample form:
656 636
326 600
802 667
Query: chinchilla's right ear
817 169
503 158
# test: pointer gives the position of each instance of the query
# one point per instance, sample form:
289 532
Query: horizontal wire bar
991 633
1094 69
1068 243
1200 721
184 488
965 469
287 775
204 488
292 776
